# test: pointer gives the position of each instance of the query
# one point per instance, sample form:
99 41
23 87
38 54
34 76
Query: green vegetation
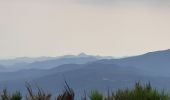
139 92
96 95
5 95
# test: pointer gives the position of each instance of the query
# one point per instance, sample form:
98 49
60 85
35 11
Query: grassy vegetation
139 92
5 95
96 95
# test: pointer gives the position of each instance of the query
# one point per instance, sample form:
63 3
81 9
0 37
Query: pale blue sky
106 27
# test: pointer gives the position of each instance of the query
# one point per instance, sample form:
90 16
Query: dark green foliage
16 96
6 95
139 92
96 95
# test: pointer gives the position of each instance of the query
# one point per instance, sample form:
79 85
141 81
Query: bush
16 96
96 95
6 95
140 92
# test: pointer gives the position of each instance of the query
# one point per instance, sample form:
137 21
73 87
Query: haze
106 27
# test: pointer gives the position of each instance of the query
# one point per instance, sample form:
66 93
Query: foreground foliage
139 92
96 95
5 95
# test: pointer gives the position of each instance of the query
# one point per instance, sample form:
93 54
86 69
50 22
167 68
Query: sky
32 28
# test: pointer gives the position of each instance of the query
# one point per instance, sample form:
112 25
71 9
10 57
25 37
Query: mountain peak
82 54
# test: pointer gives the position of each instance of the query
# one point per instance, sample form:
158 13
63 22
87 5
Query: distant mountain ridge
153 67
8 62
48 62
157 62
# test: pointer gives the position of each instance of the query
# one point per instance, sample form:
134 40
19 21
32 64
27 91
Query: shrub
6 95
16 96
96 95
140 92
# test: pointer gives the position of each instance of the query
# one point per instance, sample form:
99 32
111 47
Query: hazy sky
105 27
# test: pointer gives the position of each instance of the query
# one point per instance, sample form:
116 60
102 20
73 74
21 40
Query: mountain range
46 62
85 72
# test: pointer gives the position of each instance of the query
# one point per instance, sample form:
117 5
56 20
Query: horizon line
77 54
